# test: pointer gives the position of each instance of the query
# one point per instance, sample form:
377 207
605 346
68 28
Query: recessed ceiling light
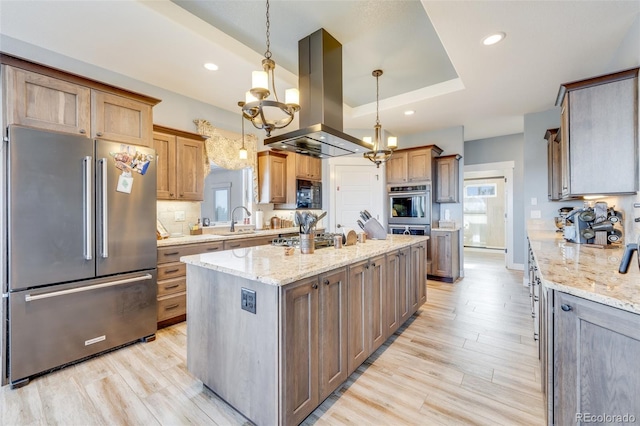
410 112
211 66
493 38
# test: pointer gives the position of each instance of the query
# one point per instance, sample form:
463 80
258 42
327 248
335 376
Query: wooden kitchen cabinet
599 135
596 348
180 157
120 119
445 256
51 99
419 273
554 176
393 292
315 335
172 280
308 168
272 177
412 164
248 242
448 179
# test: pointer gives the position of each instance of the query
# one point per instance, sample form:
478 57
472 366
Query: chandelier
256 104
379 154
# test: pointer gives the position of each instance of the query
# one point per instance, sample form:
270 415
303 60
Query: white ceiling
430 51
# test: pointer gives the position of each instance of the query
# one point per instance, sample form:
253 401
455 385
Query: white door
355 188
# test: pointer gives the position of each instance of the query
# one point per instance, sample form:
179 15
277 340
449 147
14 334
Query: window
221 202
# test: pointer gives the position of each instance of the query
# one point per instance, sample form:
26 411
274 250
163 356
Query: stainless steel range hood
320 84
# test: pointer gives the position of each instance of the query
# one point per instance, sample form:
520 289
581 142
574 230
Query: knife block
374 230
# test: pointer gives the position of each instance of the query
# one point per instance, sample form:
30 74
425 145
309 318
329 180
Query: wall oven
409 204
308 194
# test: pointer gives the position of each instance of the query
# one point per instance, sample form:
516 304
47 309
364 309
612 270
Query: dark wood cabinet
448 179
599 135
445 256
554 176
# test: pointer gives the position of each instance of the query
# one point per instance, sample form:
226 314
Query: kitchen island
274 335
588 317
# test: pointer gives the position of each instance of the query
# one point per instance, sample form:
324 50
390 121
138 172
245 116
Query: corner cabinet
448 179
445 255
554 174
272 177
49 99
412 164
180 157
599 135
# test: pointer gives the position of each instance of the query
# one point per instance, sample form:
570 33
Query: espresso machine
561 219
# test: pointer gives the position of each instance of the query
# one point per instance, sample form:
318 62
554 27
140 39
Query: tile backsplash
168 211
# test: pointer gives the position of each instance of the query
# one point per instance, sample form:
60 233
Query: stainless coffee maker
561 219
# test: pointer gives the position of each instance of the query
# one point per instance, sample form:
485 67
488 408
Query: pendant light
256 103
243 151
379 154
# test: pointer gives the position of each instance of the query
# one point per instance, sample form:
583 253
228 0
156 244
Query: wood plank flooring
467 357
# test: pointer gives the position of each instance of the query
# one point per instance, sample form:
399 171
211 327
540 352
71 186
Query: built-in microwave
410 204
308 194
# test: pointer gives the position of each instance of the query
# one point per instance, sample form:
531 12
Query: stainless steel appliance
81 248
320 241
320 83
410 229
410 204
308 194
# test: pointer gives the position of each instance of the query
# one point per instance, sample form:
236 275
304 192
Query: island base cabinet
596 354
314 360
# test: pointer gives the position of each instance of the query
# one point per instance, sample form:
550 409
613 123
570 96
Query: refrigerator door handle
105 223
87 209
30 298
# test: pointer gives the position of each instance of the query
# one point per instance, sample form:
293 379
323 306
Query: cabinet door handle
169 287
99 134
566 307
213 248
314 286
327 282
171 194
234 245
373 264
173 253
83 131
171 271
170 307
535 299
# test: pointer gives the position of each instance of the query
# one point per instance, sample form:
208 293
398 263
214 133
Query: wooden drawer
247 242
171 286
171 270
172 306
174 253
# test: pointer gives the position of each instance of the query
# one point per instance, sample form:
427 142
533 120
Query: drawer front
247 242
173 254
172 306
171 286
171 270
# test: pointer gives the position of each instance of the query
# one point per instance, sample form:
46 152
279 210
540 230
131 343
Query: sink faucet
233 222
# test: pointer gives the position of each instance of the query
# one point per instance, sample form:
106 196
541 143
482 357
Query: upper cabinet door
397 168
165 146
189 169
46 103
419 165
121 119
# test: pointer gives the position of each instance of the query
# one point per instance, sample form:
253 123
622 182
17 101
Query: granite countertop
269 265
584 271
205 237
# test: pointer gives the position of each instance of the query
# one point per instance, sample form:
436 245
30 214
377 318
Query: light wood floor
467 357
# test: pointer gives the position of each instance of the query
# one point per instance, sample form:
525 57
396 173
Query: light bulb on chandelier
256 104
378 153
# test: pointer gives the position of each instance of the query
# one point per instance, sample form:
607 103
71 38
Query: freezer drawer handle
87 209
29 298
105 218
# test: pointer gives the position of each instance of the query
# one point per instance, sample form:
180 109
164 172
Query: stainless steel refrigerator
80 249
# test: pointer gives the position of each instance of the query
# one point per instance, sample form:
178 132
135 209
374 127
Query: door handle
29 298
88 249
105 216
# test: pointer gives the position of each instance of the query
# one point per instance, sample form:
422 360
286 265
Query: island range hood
320 85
